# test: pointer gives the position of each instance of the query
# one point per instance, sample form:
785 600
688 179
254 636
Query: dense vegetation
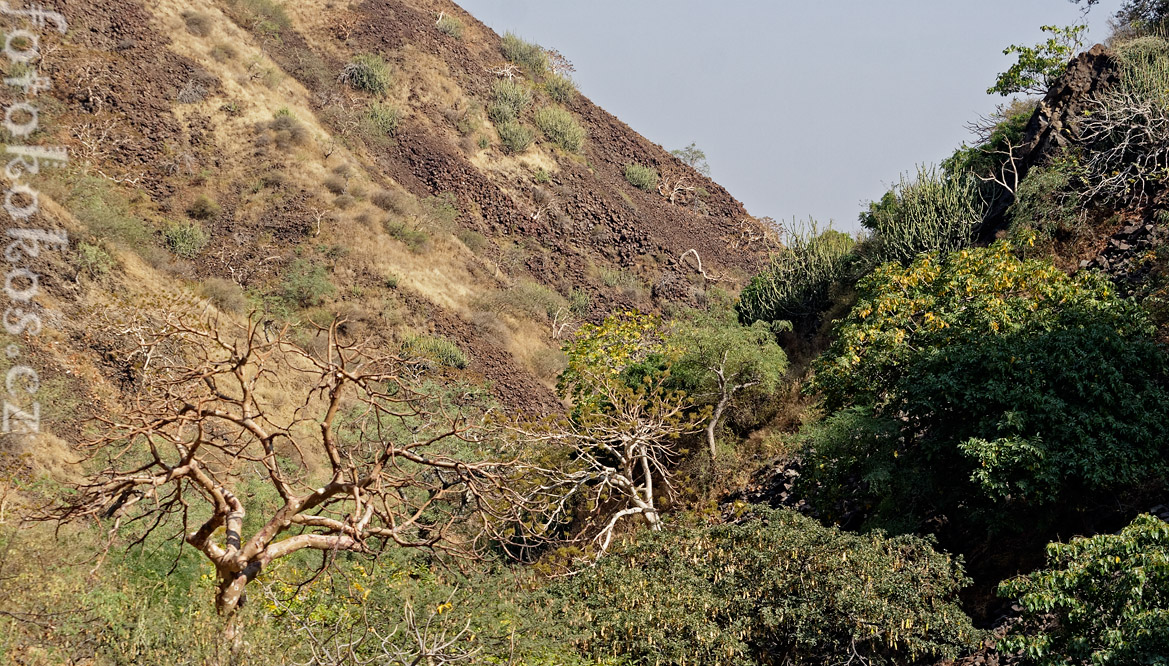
879 448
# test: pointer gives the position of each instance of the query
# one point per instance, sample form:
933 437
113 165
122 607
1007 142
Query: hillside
239 106
353 333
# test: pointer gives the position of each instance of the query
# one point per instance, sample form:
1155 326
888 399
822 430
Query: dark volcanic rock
1056 122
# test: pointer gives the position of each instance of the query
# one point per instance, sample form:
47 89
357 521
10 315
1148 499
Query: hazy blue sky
803 108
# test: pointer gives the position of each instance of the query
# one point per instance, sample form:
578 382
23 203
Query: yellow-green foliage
642 177
777 583
510 98
1026 387
435 350
383 118
560 128
560 88
515 137
530 56
600 353
449 25
186 239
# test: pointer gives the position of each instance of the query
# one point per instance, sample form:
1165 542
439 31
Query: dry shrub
224 294
336 185
198 24
547 364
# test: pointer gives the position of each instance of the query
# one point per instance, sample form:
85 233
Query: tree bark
714 419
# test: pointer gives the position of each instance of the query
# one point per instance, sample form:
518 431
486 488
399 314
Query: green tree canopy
1035 385
1108 596
1039 66
776 588
717 359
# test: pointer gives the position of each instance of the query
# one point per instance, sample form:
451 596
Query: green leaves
797 284
1109 595
1040 65
777 586
1037 386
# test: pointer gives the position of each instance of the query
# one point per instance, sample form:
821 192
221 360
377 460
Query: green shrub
560 88
416 240
777 587
266 17
642 177
1046 202
515 137
368 72
203 208
442 210
475 241
1025 387
434 350
530 56
509 101
383 118
185 239
579 303
933 212
306 285
107 214
1101 600
853 445
560 128
798 282
93 260
451 26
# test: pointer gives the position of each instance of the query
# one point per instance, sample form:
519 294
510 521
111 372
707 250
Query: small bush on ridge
528 55
515 137
642 177
185 239
368 72
560 128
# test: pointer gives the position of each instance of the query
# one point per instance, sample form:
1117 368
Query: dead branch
617 452
705 276
505 70
360 460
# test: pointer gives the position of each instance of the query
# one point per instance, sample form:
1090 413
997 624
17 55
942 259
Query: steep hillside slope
217 147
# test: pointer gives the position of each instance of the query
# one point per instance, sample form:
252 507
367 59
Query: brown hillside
171 104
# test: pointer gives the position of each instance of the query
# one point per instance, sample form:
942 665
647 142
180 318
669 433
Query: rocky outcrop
1056 123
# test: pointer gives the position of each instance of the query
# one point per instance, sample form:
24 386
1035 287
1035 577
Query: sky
804 109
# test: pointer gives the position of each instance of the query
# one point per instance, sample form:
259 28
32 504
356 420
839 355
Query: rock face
1056 122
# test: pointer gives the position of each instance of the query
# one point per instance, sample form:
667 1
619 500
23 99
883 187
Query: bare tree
358 458
615 452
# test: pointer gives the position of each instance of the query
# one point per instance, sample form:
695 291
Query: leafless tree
1007 176
674 188
358 458
1128 132
617 451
